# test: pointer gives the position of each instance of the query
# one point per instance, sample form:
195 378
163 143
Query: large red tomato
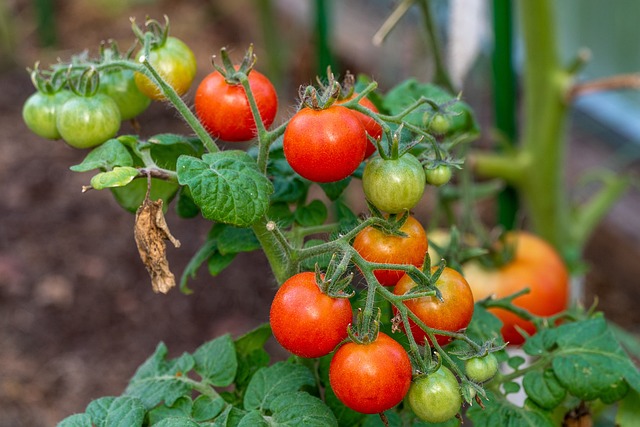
306 321
452 314
371 378
536 265
376 246
224 110
325 145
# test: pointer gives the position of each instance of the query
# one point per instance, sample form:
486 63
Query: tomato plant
534 265
325 145
453 313
223 108
435 397
376 245
306 321
394 185
371 377
266 198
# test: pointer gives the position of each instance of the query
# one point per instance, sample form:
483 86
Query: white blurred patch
468 28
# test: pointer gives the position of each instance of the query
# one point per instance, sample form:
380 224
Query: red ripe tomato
325 145
537 266
307 322
452 314
371 378
224 110
376 246
372 127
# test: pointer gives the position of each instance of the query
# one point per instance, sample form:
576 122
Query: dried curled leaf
150 232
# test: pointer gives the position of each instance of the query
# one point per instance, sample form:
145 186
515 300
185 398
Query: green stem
175 99
275 250
441 76
545 84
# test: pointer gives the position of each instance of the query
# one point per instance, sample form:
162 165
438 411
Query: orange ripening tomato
375 246
536 265
453 314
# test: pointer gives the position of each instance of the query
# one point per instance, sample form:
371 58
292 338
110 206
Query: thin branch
622 81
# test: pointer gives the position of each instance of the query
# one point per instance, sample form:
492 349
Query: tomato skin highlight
394 185
224 108
372 127
40 110
175 62
435 397
452 314
376 246
85 122
371 378
324 145
120 86
536 265
307 322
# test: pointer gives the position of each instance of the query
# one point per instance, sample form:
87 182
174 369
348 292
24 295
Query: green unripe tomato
439 175
481 369
440 124
435 397
88 121
40 111
394 185
120 86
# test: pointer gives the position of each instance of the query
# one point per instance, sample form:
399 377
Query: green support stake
504 96
323 31
46 22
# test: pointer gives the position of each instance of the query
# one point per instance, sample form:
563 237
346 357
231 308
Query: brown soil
77 311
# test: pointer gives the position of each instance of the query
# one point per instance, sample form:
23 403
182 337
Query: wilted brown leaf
150 232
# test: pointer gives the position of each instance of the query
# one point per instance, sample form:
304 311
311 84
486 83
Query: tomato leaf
185 207
301 409
345 416
500 412
116 411
105 157
131 196
180 409
217 262
484 326
76 420
227 186
268 383
334 190
251 354
543 388
629 409
315 213
206 408
233 240
160 380
119 176
253 419
590 363
216 361
177 422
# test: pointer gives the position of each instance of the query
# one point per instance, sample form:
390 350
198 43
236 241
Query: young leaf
227 186
160 380
131 196
118 177
123 411
268 383
105 157
76 420
216 361
543 388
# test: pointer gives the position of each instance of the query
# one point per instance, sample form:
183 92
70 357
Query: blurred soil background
77 313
